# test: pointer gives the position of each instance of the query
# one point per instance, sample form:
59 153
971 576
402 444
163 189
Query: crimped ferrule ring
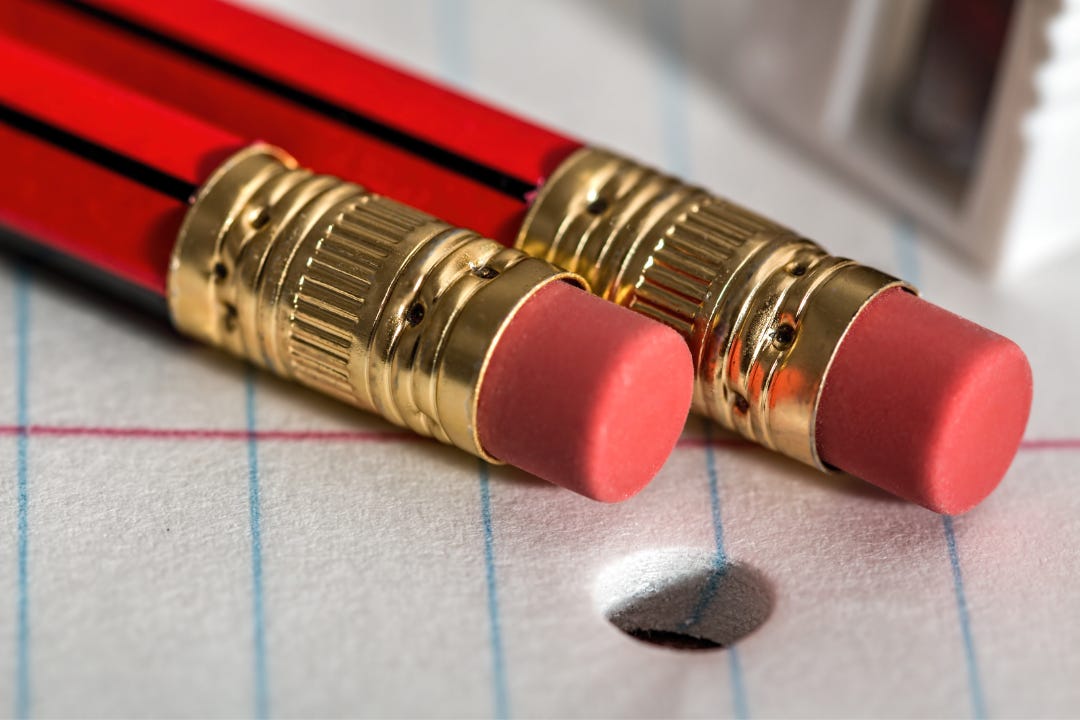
762 308
347 292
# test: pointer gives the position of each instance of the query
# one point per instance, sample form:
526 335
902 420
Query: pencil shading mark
22 389
502 705
262 702
978 701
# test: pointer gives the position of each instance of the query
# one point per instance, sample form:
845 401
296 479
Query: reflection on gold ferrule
355 295
762 308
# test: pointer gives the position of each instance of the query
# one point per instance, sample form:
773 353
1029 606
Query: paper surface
179 537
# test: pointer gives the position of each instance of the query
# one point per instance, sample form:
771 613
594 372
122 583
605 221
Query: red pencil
405 137
435 328
830 362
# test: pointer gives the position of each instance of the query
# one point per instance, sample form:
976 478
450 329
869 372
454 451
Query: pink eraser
924 403
585 394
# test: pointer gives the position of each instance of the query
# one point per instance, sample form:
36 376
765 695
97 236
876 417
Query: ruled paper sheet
182 537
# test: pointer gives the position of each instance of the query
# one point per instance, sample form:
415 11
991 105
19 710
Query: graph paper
183 536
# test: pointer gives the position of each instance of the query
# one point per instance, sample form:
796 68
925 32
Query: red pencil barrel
94 171
262 79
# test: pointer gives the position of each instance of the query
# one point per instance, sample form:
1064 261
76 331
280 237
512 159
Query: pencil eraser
924 403
585 394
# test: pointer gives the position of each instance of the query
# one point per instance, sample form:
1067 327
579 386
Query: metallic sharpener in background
964 114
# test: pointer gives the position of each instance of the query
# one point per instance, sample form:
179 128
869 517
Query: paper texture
179 537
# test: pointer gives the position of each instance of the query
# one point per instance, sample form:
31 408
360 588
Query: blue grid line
906 248
907 257
714 496
451 36
665 20
739 700
978 701
262 700
720 559
22 601
498 663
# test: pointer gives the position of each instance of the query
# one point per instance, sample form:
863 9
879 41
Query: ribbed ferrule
340 275
762 308
694 254
352 294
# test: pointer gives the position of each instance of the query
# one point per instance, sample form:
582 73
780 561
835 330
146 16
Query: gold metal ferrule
762 308
360 297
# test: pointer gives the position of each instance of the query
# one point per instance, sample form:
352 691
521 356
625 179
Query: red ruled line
1051 444
145 433
360 436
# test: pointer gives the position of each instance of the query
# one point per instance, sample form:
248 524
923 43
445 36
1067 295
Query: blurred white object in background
964 114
